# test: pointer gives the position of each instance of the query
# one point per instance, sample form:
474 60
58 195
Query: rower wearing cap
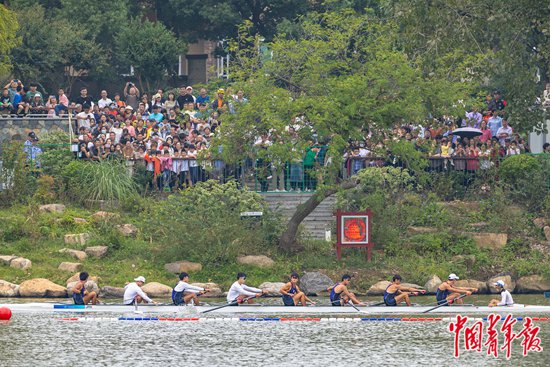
240 291
184 292
340 295
80 295
133 294
448 292
506 297
395 292
292 295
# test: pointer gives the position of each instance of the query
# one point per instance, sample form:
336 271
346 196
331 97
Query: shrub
526 179
17 179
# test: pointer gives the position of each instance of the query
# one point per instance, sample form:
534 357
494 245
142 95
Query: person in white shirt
184 292
133 294
239 292
84 118
504 133
506 297
104 101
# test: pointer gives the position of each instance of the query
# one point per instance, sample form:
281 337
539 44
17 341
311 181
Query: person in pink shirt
486 133
165 168
63 105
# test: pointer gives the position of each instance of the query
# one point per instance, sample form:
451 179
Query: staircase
316 223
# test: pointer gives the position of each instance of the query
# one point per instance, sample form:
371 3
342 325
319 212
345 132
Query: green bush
17 177
526 179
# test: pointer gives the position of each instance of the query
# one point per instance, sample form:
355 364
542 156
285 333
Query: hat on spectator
113 105
33 136
189 87
37 94
128 107
220 91
158 95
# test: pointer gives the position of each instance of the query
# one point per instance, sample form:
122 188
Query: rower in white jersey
133 294
240 291
184 292
506 297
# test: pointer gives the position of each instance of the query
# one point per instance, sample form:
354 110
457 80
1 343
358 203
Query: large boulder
21 263
6 259
77 239
412 285
76 278
102 216
8 289
215 289
41 288
77 254
97 251
532 284
507 279
155 289
180 266
377 289
72 267
547 233
271 288
52 208
492 241
90 286
432 284
472 283
111 292
315 282
260 261
541 222
79 220
127 230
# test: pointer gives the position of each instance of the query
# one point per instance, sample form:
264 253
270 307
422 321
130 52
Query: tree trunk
287 242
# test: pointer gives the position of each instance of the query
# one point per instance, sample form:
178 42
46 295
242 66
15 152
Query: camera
130 84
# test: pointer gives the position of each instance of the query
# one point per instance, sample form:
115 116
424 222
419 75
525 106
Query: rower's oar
352 305
445 303
234 303
376 304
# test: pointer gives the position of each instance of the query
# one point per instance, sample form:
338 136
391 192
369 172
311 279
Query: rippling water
43 340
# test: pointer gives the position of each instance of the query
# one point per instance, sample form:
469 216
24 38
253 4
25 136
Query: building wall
198 52
19 128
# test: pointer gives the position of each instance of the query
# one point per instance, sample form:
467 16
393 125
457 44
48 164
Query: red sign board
353 230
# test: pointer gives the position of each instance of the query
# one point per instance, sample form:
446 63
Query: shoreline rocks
507 279
272 288
260 261
77 254
8 289
155 289
71 267
431 285
41 288
182 266
76 239
51 208
314 282
97 251
532 284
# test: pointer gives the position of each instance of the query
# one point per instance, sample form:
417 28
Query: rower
133 294
184 292
240 291
506 297
80 295
395 292
447 291
340 295
292 295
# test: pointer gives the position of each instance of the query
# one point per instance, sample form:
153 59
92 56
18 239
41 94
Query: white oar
445 303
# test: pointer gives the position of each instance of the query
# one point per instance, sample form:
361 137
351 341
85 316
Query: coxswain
395 292
133 294
340 295
185 293
80 295
506 297
448 292
292 295
240 291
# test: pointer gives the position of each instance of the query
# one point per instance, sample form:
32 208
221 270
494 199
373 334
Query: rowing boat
518 309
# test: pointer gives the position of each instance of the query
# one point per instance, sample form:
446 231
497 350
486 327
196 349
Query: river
44 340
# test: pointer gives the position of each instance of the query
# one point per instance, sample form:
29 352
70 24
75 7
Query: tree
8 38
53 51
150 48
215 19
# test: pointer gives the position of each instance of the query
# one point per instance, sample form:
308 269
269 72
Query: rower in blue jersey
292 295
449 292
340 295
396 292
80 295
185 293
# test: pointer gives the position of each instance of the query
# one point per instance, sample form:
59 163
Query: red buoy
5 313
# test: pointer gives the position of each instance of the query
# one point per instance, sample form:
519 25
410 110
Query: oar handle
446 303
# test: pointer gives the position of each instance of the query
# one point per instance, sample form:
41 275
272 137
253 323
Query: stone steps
316 223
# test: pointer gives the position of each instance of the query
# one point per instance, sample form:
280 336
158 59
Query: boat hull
518 310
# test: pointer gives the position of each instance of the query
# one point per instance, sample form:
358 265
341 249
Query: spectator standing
84 99
33 152
171 102
131 94
504 133
220 103
84 118
473 118
494 123
104 101
202 97
485 133
184 97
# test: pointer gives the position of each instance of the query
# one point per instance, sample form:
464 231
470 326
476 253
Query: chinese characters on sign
473 335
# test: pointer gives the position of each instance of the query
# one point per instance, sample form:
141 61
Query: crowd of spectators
170 132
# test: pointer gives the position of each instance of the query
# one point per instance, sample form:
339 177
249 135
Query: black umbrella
467 132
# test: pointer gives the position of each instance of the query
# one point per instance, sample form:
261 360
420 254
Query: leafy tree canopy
8 38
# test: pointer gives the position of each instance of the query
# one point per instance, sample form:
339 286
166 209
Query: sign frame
341 240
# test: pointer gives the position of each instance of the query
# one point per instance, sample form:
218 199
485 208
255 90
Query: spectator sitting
118 101
171 102
202 97
51 105
104 101
219 104
504 133
84 117
6 107
36 106
512 148
63 105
